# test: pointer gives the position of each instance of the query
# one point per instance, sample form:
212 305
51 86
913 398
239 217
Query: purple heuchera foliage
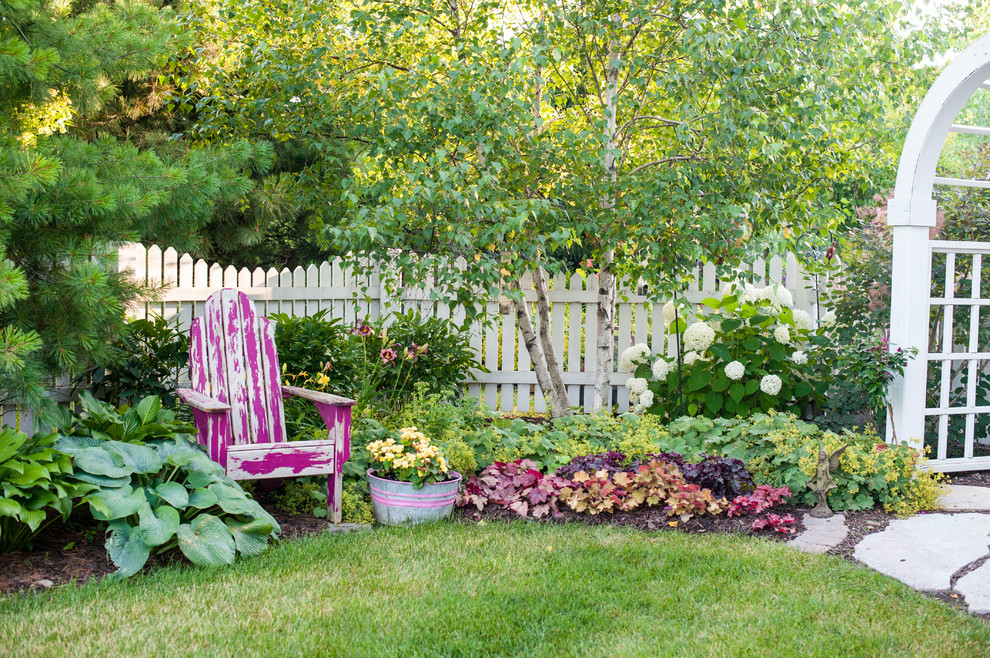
517 485
607 461
725 477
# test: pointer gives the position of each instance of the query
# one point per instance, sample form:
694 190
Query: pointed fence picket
510 385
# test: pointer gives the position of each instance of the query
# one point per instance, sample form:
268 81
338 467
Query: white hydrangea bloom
782 334
777 295
735 370
799 357
748 294
698 337
668 312
802 320
646 399
630 357
770 384
828 318
637 385
690 358
661 368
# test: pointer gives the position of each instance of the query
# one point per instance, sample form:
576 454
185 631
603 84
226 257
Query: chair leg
334 496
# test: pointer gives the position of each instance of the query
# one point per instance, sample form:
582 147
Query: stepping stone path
821 534
924 551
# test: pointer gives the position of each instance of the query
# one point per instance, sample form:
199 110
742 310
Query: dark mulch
649 519
971 479
62 554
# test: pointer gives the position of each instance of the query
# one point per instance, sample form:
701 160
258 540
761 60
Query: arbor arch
911 214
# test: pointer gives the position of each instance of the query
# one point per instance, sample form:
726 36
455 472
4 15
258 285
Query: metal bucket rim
371 475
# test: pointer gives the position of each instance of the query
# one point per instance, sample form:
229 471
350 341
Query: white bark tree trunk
548 376
606 276
557 391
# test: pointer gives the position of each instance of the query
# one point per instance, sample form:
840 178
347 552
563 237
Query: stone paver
975 586
964 498
821 534
925 550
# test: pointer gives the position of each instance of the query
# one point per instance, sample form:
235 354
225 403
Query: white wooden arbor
911 213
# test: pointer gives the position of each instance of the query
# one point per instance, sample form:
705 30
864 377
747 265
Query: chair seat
257 461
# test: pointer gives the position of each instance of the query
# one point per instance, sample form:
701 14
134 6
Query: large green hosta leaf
207 541
251 537
98 461
110 504
10 442
233 500
174 494
160 525
127 548
202 499
141 459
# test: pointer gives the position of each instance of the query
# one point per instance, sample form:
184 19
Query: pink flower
361 329
388 355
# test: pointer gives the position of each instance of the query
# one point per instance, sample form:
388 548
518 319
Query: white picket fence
510 385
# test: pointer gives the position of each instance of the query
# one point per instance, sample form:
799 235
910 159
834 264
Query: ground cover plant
156 489
516 589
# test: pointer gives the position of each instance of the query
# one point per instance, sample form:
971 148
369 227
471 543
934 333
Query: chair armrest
202 402
317 396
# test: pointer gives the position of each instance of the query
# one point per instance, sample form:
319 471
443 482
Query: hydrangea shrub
752 352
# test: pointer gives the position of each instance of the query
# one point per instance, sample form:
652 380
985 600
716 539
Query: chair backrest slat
233 360
233 335
259 392
272 373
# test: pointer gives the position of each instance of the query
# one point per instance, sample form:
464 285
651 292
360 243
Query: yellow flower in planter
413 458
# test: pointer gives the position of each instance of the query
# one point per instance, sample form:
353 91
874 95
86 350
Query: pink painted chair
236 398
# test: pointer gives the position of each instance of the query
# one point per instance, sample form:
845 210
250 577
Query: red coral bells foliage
763 498
518 485
776 522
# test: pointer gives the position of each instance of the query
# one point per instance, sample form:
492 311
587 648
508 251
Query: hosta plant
517 485
161 491
35 488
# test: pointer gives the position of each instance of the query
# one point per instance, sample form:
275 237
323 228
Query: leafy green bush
315 345
158 490
35 487
781 450
146 360
378 363
752 352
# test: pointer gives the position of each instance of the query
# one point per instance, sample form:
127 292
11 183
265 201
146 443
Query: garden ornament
823 480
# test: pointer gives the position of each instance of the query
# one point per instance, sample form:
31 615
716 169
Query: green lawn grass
494 589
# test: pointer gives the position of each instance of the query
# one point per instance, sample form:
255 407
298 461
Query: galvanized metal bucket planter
398 503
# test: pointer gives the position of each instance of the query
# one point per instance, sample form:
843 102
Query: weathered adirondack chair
236 398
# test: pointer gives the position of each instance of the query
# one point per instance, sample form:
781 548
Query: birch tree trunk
550 380
606 277
542 353
557 391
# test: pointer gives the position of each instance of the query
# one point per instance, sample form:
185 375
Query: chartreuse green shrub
781 450
157 489
35 487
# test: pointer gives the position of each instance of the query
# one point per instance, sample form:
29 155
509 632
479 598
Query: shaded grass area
494 589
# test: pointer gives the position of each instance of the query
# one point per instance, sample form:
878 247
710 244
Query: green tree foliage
260 70
654 135
71 191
